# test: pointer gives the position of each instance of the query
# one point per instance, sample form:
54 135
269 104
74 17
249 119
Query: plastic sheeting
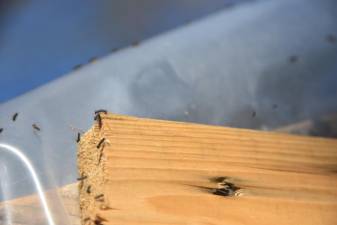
259 66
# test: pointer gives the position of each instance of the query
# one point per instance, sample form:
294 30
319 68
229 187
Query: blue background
41 40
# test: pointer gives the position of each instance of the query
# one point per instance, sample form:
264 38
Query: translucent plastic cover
260 65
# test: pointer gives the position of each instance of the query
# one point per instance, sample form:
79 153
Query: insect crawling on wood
100 143
227 189
78 137
98 222
82 178
15 116
222 191
36 127
99 120
88 189
98 116
230 186
99 218
100 157
101 111
99 197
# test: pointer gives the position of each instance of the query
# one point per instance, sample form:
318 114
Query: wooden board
150 172
28 209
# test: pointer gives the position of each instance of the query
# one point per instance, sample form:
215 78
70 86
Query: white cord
37 183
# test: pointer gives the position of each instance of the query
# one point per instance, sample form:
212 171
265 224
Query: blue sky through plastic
42 40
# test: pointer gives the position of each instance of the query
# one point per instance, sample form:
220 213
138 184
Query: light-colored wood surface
158 172
296 183
28 209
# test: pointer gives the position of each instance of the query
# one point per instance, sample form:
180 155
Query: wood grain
291 195
164 173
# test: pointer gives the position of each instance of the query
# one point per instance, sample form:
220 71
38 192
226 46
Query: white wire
32 172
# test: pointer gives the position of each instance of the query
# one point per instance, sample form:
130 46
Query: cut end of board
144 171
91 180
